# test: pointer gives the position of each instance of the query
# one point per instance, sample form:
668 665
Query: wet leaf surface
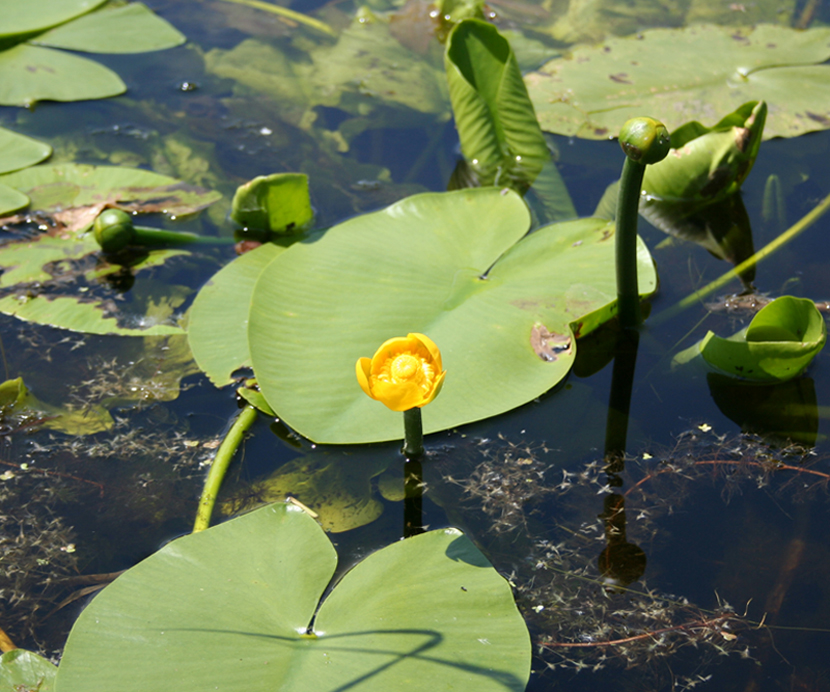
594 90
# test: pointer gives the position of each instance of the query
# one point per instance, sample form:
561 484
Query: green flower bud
113 230
645 140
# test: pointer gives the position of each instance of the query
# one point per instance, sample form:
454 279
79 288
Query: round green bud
645 140
113 230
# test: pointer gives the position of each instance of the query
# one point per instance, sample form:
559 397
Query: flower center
405 367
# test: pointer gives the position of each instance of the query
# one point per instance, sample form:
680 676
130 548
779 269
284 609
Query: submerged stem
220 464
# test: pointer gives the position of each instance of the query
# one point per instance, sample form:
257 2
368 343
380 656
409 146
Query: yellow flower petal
362 370
404 373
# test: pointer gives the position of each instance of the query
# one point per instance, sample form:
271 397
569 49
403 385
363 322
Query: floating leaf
237 607
688 74
452 266
11 200
337 487
24 671
132 28
20 151
279 203
20 18
31 73
218 319
65 185
779 343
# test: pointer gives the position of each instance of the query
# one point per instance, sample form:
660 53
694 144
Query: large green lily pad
695 73
61 186
132 28
31 73
21 18
237 611
419 266
218 319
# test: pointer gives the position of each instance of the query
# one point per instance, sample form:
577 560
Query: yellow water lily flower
404 373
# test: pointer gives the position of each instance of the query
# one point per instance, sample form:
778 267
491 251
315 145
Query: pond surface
718 522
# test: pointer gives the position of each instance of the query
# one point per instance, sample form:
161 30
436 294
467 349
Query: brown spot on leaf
824 120
620 78
549 345
742 138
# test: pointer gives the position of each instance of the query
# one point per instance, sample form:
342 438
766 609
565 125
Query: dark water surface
732 531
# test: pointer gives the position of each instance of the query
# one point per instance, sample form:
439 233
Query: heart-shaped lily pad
239 610
504 310
687 74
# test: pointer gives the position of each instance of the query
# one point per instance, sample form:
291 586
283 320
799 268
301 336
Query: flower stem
413 437
628 292
220 464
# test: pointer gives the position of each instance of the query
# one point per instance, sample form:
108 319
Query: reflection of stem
289 14
622 382
628 200
802 225
413 484
413 435
220 464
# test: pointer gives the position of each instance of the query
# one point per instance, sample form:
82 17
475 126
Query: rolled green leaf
706 165
778 344
277 203
500 136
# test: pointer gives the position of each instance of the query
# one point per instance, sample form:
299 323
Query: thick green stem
628 201
413 438
158 236
644 141
220 464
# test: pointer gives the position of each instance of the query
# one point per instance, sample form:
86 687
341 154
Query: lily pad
687 74
20 151
218 319
11 200
20 18
779 343
24 671
239 610
132 28
505 311
337 487
60 186
30 73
